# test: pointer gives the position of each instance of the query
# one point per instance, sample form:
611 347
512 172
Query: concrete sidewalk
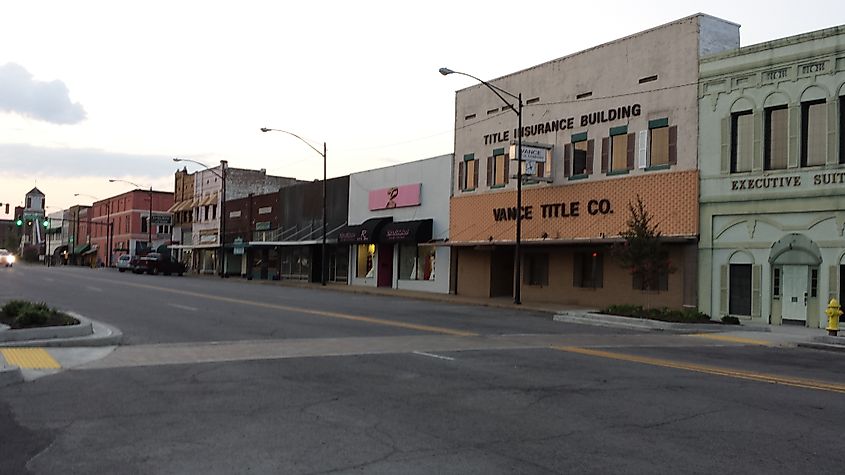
774 335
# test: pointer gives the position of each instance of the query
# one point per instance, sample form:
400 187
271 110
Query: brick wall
671 198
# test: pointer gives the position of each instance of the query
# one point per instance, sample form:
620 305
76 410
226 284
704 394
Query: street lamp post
517 263
222 176
323 262
150 219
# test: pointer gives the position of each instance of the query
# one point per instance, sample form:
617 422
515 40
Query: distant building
134 231
32 215
200 246
279 235
10 237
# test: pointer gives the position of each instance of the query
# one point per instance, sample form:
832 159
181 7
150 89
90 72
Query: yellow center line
731 373
307 311
31 358
732 339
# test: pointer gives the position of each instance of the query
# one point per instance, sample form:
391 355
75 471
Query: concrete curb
616 321
827 343
9 375
67 331
87 333
822 346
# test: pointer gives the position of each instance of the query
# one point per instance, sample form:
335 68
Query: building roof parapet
778 43
604 45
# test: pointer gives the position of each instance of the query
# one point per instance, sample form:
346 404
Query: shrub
22 314
684 315
13 307
31 316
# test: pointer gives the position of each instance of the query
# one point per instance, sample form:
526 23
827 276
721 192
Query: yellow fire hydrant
833 312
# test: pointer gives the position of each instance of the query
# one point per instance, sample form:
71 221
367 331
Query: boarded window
813 133
619 152
659 146
777 138
742 142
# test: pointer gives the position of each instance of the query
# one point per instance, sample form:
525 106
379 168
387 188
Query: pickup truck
154 263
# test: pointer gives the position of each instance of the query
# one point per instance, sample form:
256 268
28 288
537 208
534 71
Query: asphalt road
269 379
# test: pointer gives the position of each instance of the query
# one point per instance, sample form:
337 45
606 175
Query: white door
795 279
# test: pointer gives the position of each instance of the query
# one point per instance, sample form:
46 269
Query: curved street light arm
176 159
322 154
87 196
115 180
495 89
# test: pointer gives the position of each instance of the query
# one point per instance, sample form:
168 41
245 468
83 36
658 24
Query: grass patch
22 314
686 315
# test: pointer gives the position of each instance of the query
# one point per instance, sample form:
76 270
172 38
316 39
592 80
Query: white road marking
94 289
184 307
422 353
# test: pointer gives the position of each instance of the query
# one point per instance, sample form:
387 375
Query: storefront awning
364 233
180 206
175 207
81 248
91 250
406 231
209 200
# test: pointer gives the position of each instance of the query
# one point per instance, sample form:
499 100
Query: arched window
813 127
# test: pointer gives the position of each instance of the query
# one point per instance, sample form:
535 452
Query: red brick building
129 214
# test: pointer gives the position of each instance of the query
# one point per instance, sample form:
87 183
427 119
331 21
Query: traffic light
46 223
19 222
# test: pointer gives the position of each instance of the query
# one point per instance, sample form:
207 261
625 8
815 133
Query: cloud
46 101
28 160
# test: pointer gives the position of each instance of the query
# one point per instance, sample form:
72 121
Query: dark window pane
579 158
740 289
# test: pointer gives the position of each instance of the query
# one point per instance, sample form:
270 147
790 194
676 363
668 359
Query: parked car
124 263
154 263
6 258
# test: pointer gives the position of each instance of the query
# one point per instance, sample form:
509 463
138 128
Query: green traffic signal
19 222
46 223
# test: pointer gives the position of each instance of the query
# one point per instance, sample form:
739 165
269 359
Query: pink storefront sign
395 197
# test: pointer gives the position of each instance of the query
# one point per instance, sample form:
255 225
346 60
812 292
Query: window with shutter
742 143
813 133
468 173
619 152
499 172
776 138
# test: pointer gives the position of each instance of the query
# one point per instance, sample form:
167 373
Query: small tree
642 253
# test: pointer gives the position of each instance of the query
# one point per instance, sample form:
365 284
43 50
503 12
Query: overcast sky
97 90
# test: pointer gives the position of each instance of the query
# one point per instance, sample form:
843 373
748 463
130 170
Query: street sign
530 168
531 153
161 219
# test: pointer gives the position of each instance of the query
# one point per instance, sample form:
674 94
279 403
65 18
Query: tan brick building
601 127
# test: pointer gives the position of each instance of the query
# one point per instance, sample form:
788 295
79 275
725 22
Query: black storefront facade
279 236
